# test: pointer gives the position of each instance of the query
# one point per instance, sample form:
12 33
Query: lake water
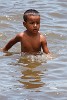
41 77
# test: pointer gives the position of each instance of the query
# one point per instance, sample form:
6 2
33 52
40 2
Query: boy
31 39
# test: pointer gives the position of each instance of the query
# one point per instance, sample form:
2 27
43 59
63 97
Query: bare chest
31 44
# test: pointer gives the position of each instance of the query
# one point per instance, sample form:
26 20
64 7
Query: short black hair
30 12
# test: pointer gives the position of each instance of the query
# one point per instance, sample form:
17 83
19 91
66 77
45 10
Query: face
33 24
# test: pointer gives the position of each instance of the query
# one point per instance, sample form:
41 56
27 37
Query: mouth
35 30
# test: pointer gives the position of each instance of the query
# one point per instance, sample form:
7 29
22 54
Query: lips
35 29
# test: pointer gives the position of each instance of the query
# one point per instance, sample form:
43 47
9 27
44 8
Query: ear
24 23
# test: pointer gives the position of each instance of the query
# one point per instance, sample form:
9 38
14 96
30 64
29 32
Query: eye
31 22
34 23
38 22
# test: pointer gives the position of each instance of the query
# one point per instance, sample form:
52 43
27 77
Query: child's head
32 21
30 12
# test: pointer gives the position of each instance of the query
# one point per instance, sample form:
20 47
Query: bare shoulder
18 37
20 34
42 37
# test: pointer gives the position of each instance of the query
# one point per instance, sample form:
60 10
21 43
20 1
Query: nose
35 24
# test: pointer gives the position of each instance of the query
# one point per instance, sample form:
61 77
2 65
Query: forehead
33 17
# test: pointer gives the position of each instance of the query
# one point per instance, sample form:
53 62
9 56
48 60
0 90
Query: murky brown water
31 77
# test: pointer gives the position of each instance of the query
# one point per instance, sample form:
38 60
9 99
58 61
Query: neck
31 34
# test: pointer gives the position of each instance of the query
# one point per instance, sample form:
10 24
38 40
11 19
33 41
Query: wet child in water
31 39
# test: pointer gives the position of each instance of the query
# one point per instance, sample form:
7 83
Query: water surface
41 77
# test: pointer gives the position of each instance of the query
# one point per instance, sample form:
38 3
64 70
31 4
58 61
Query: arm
44 45
11 43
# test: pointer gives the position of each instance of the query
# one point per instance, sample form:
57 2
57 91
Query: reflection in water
31 78
54 26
